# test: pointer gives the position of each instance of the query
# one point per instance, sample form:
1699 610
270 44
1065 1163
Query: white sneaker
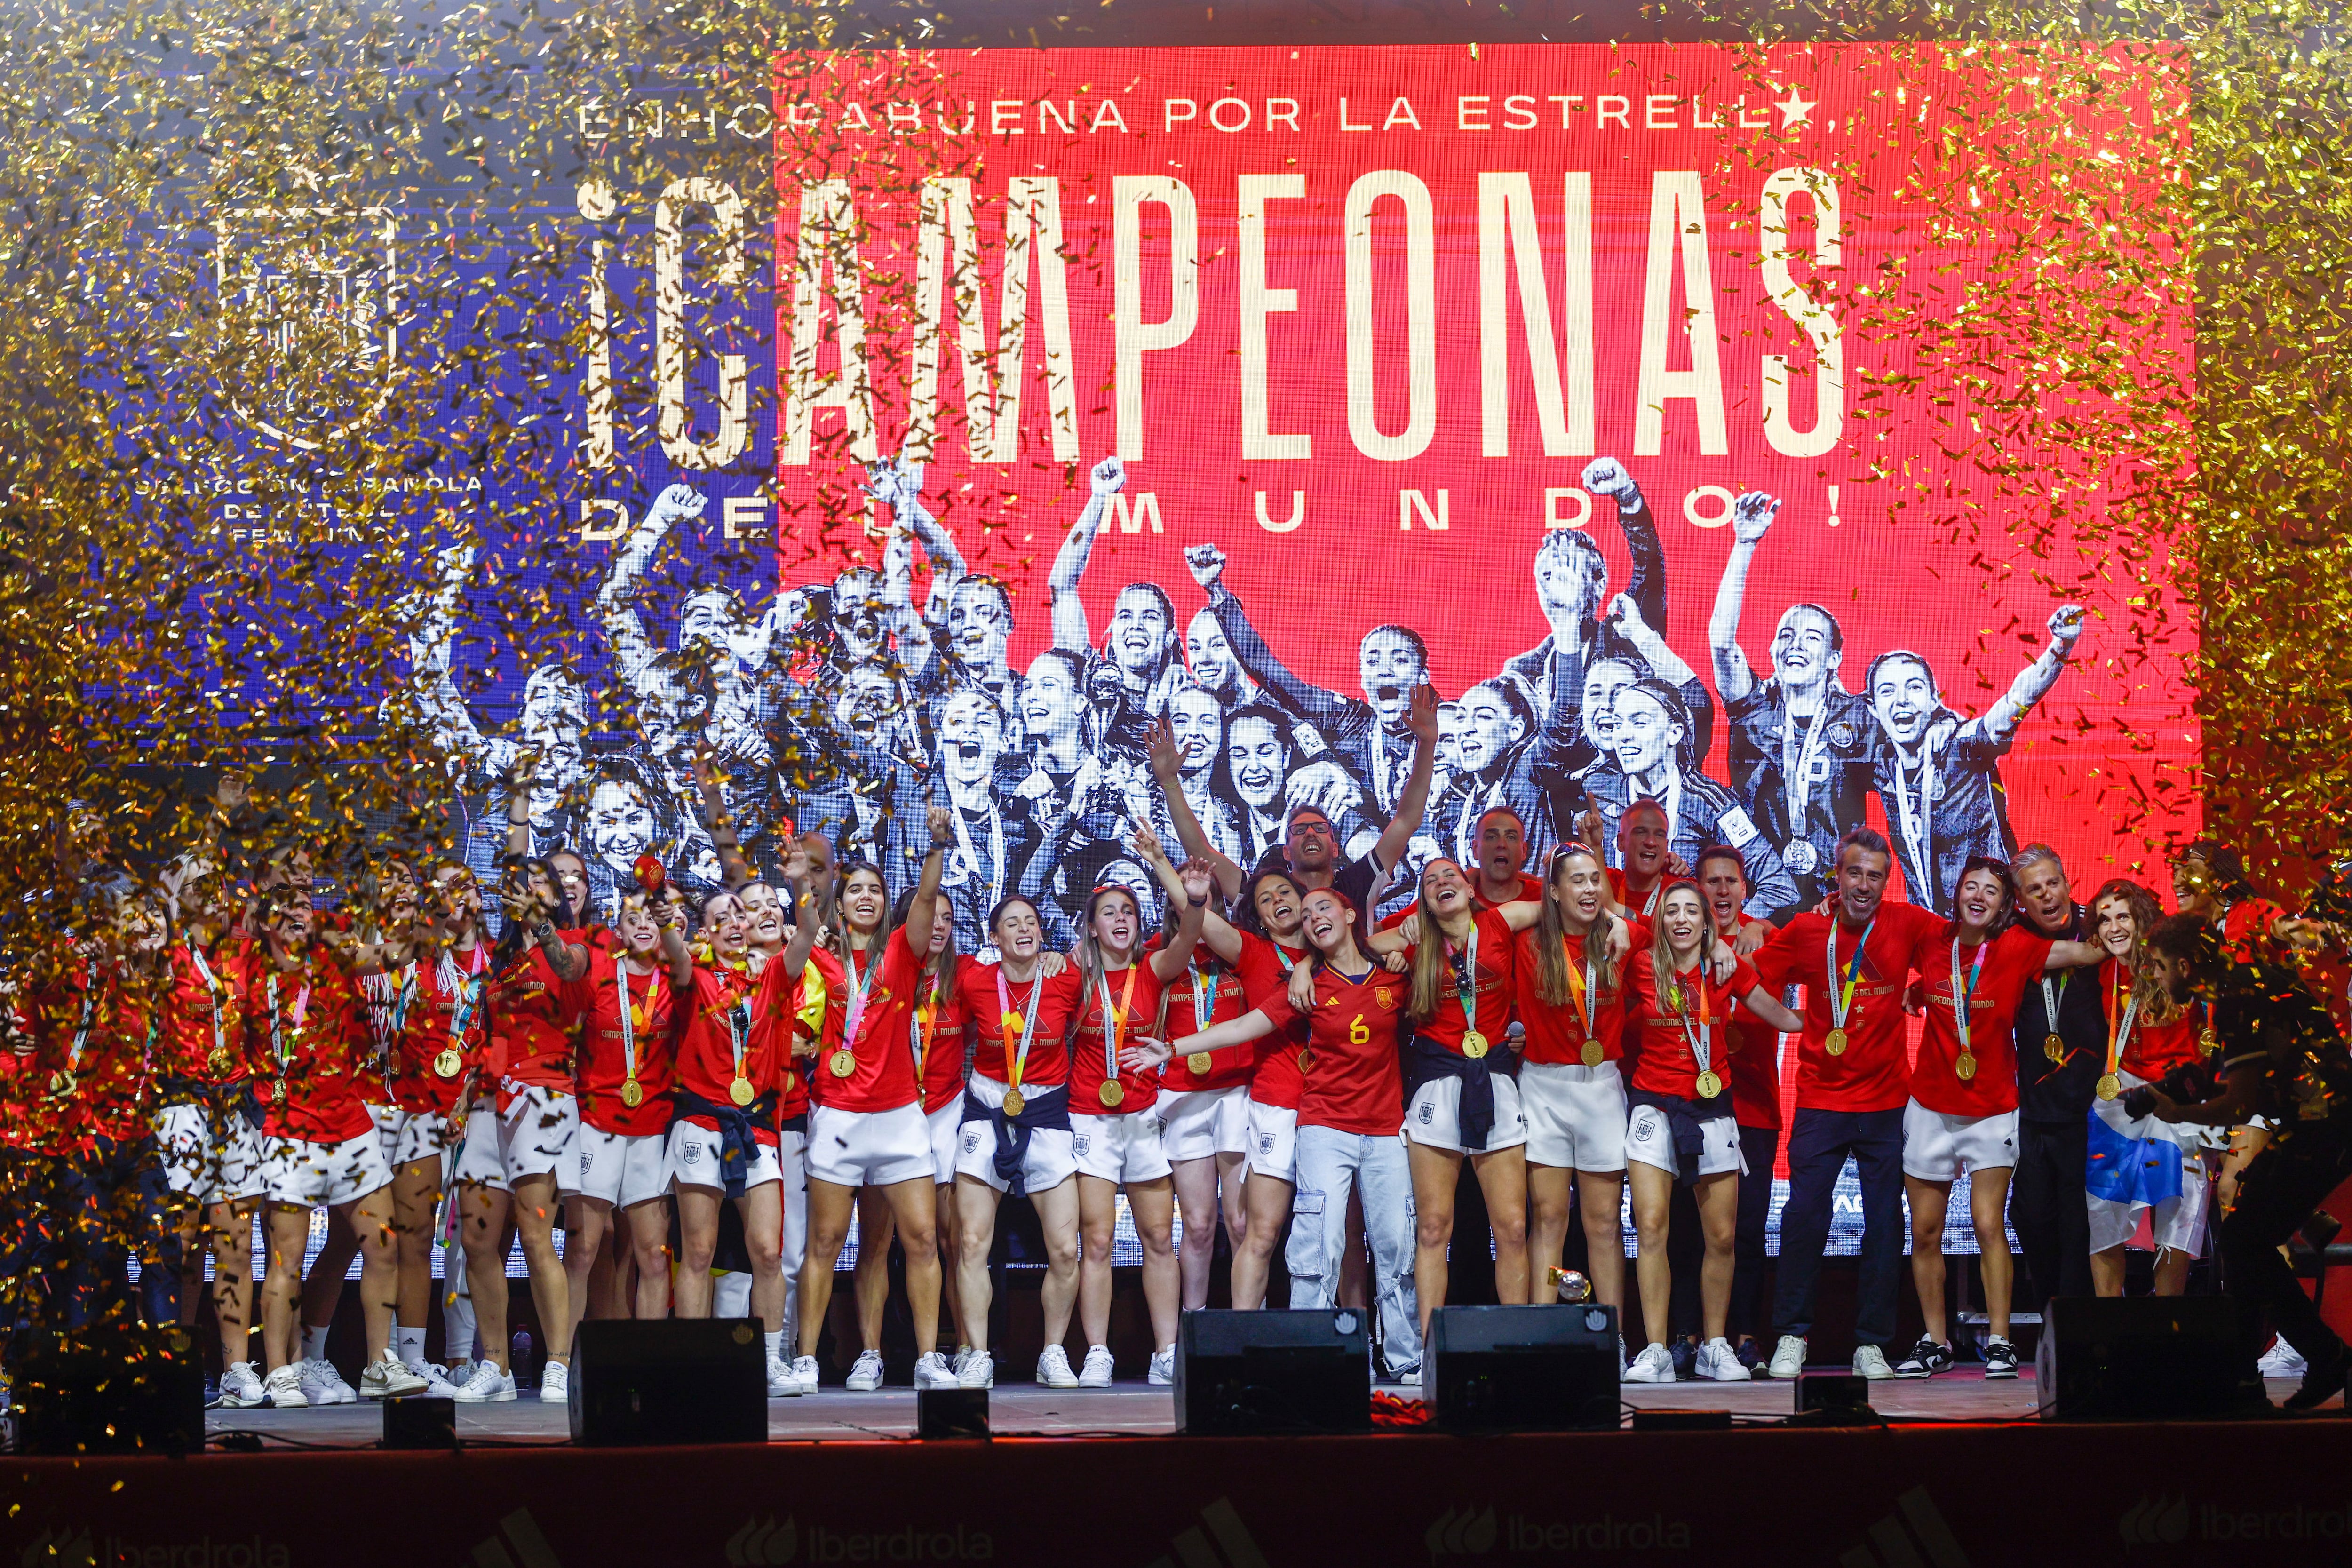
386 1378
1054 1368
1095 1372
2281 1359
865 1376
1870 1361
323 1384
805 1372
555 1383
284 1389
438 1383
781 1384
979 1370
1163 1367
1788 1358
1718 1361
241 1387
935 1371
1654 1364
488 1385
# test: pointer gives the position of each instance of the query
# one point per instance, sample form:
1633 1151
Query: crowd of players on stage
861 929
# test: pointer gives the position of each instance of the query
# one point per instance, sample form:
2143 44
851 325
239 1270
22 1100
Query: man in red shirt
1854 1080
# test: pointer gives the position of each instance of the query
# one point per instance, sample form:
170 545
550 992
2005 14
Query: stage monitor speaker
1522 1369
948 1412
421 1421
1246 1373
1834 1399
668 1380
110 1390
2137 1357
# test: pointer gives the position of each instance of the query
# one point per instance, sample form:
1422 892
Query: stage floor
1019 1409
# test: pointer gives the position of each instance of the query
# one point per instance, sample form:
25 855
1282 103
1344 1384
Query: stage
1962 1477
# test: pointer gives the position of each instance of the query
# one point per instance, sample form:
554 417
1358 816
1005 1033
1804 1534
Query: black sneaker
1748 1354
1927 1359
2000 1359
2323 1379
1686 1353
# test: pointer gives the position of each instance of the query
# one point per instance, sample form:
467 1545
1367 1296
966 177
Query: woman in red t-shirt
2149 1035
625 1074
1571 1003
1963 1112
1016 1132
1203 1105
1681 1126
1269 940
867 1132
858 936
1114 1116
1462 1094
723 1132
1352 1098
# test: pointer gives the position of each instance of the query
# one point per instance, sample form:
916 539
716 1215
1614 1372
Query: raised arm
2034 681
569 959
1751 519
1413 803
1070 632
671 917
735 869
1647 585
1159 746
519 782
922 913
631 647
1207 564
432 685
1194 881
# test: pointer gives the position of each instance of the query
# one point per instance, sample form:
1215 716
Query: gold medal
2110 1085
1473 1044
1199 1062
1011 1023
842 1063
1014 1103
632 1095
1306 1061
1834 1043
1709 1086
2208 1041
2054 1049
1593 1054
219 1063
277 1091
448 1063
740 1091
1965 1066
1112 1093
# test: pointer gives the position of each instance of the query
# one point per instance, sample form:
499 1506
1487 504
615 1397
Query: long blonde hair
1551 938
1661 954
1432 977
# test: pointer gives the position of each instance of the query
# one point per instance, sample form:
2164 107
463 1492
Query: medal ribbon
2119 1029
277 1045
919 1024
468 991
1963 997
2054 994
1112 1022
628 1021
1581 987
1466 978
1917 827
738 1029
1842 996
861 982
1204 997
88 1009
1702 1045
1015 1064
1797 772
213 990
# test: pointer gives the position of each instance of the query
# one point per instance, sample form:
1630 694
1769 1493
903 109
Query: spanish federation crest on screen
311 295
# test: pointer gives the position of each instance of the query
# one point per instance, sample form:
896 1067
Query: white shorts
868 1148
690 1156
1575 1115
622 1170
1274 1141
536 1133
1433 1117
2176 1225
480 1159
1940 1148
213 1162
1650 1139
389 1120
1123 1148
1048 1163
1201 1123
409 1136
947 1130
306 1175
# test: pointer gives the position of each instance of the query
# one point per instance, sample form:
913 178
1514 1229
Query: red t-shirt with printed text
1136 1006
1666 1062
1356 1083
1275 1078
1874 1072
1048 1062
594 1002
2010 962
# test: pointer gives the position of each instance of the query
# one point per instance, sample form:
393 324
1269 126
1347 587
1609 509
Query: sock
775 1345
408 1346
314 1342
458 1323
1997 1339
